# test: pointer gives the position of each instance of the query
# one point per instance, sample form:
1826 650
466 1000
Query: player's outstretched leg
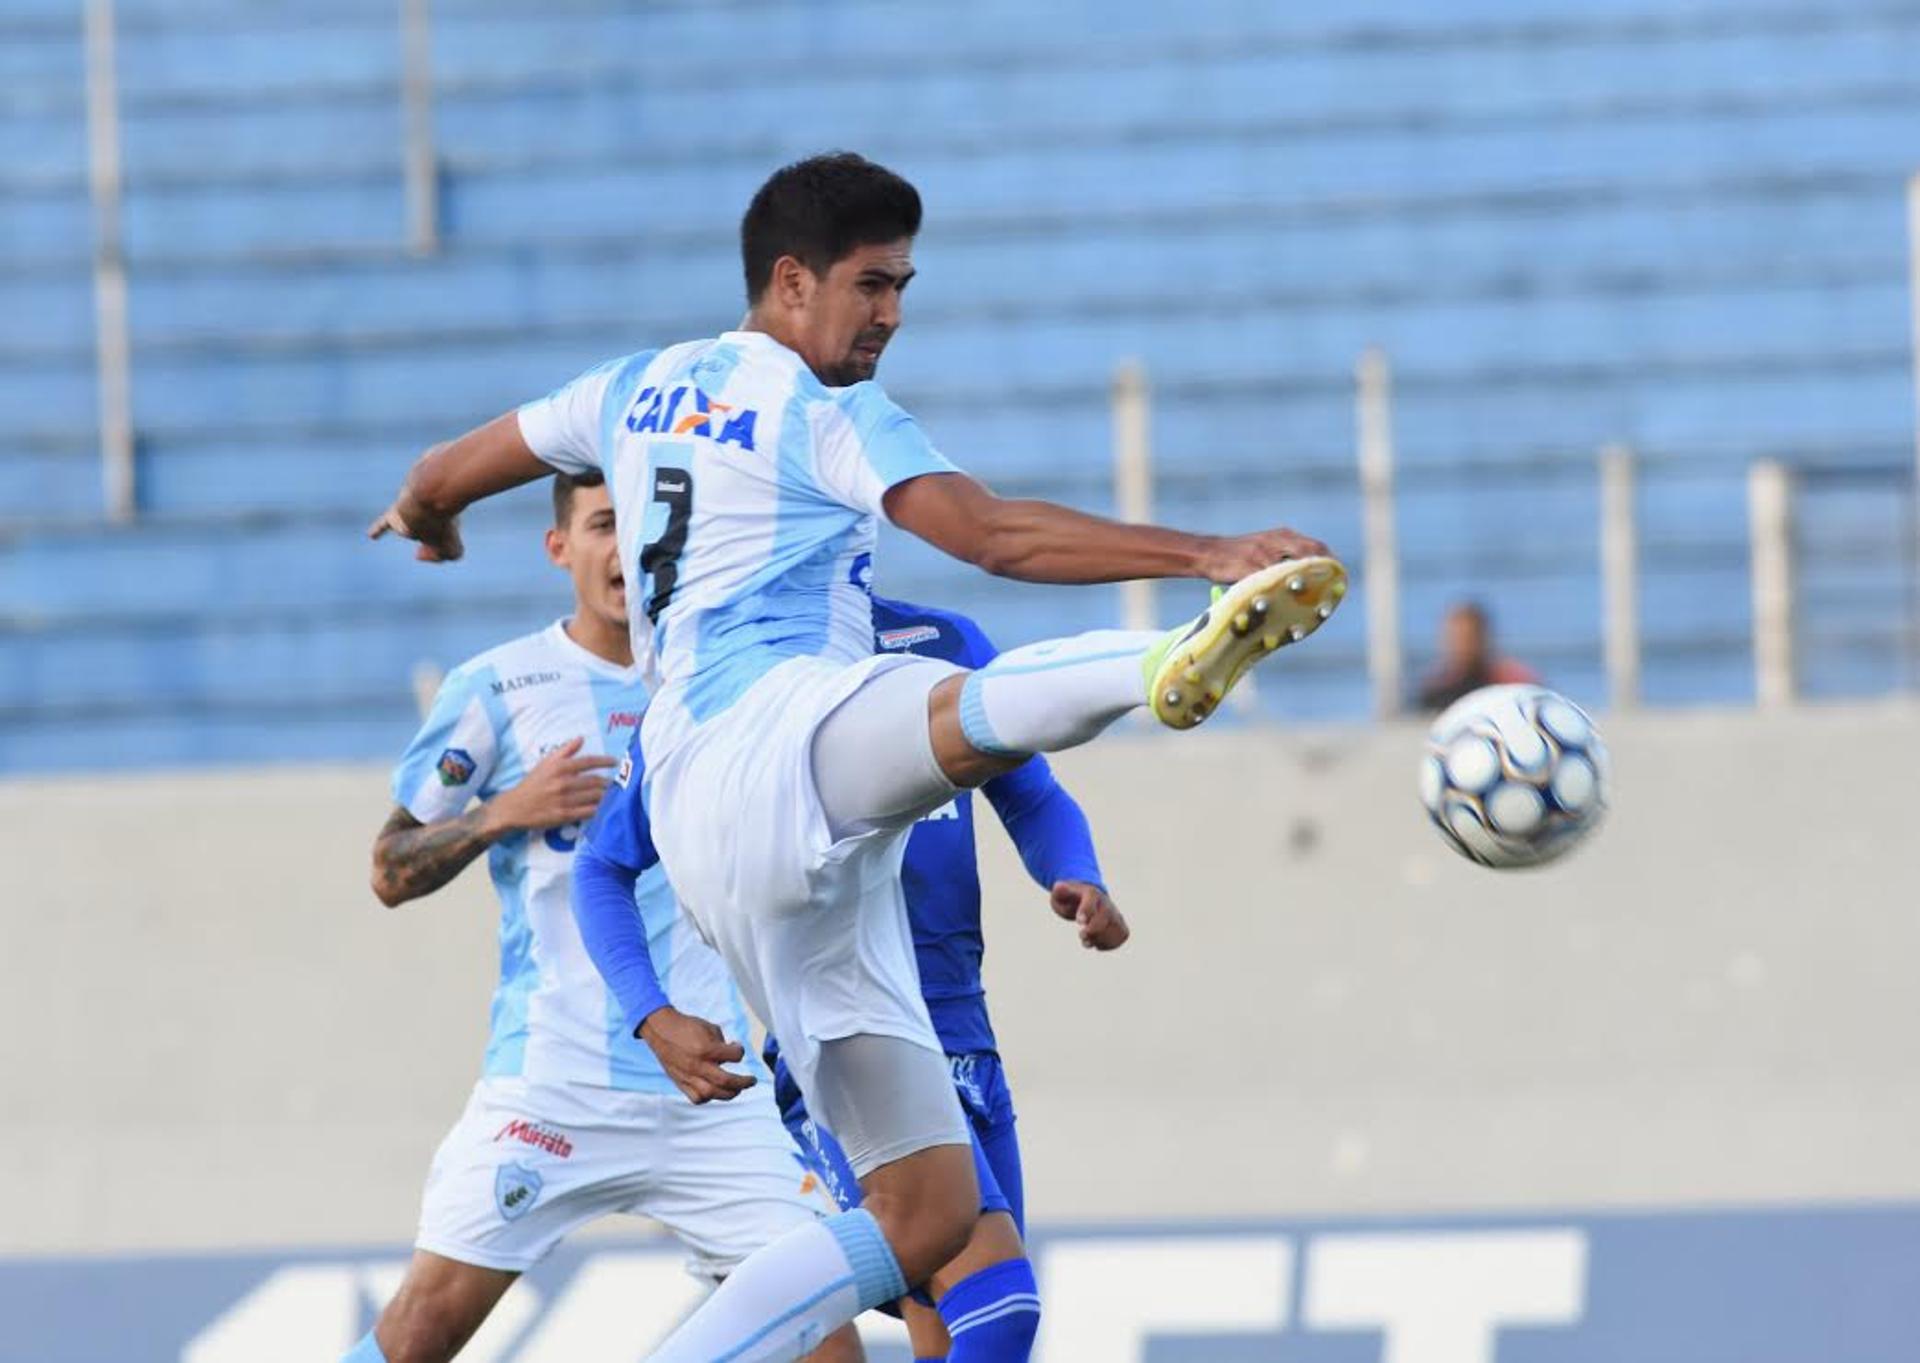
911 736
1061 693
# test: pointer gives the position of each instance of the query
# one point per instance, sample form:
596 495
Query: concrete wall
213 1035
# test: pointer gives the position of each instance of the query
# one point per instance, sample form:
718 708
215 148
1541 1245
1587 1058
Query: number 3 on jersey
660 560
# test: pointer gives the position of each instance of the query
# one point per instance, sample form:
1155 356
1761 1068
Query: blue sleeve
620 830
614 849
614 934
1046 824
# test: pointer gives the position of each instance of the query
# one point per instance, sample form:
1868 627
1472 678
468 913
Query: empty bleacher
1675 225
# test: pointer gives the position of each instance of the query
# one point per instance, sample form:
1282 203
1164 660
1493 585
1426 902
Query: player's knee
926 1226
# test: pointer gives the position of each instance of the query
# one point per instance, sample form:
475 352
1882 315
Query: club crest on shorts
515 1189
455 767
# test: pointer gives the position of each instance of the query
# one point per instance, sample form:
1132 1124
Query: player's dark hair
818 210
564 486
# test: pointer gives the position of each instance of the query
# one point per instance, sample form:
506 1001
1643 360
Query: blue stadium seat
1568 224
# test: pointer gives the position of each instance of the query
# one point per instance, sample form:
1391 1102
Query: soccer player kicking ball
573 1118
786 761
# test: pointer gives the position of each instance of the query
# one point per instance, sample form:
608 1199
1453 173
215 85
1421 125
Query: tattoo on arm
411 859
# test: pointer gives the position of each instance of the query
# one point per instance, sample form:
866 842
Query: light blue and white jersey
495 717
748 495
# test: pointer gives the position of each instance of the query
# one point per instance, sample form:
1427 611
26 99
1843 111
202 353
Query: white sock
790 1295
1056 694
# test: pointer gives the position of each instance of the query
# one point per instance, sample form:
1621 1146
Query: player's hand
562 788
1102 926
437 537
692 1050
1235 556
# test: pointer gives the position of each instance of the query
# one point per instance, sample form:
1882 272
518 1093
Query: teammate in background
1468 659
786 761
573 1117
987 1304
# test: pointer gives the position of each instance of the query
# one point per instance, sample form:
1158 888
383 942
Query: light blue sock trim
973 721
876 1272
366 1351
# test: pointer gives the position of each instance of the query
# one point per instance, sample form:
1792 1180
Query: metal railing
1789 555
113 348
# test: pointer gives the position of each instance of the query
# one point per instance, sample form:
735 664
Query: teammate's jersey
495 717
747 493
940 875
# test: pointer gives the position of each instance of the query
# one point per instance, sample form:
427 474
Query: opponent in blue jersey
986 1300
569 1118
786 762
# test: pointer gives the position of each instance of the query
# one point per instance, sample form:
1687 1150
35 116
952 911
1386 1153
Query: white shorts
814 930
529 1163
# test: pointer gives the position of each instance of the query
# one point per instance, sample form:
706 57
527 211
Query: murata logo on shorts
538 1136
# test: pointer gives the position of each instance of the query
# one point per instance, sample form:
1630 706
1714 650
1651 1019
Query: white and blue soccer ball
1514 776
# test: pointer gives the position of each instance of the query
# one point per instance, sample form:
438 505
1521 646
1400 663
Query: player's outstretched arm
451 477
1037 541
411 859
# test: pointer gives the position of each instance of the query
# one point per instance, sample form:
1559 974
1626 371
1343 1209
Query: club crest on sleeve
515 1189
456 767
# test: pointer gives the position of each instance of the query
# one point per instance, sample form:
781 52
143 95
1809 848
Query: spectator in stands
1468 659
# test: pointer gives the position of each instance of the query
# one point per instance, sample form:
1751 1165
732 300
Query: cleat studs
1323 611
1297 585
1270 642
1295 634
1172 699
1214 696
1259 607
1242 623
1191 676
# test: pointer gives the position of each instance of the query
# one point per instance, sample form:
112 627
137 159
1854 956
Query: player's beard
863 363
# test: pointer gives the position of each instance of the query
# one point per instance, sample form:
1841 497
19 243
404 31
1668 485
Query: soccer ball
1514 776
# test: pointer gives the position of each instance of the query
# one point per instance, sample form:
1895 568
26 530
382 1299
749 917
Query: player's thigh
440 1304
731 1180
526 1166
874 764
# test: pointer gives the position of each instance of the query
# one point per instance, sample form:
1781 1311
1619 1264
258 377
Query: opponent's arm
411 859
1037 541
1055 843
615 936
452 476
613 853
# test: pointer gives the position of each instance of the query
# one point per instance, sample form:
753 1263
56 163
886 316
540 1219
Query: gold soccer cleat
1192 670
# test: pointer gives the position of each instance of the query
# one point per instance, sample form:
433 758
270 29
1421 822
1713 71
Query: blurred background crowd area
254 257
